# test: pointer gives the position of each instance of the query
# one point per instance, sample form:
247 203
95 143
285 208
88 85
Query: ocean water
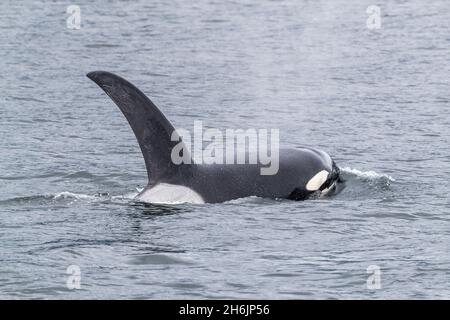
377 100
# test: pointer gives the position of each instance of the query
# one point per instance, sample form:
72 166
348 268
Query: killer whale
302 174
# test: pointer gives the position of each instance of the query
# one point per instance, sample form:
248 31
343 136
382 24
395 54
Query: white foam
71 195
81 196
127 196
371 175
244 200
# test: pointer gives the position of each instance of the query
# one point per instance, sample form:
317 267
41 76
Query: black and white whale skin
302 173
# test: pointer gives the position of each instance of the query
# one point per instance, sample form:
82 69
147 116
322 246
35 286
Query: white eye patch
317 181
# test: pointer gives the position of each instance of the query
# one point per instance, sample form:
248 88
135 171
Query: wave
369 175
67 196
92 197
76 196
365 184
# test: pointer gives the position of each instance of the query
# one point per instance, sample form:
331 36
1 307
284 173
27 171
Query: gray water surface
376 100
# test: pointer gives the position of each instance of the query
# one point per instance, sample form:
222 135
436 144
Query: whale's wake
69 197
365 184
358 184
367 175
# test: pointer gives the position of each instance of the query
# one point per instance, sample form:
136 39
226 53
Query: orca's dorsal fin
151 128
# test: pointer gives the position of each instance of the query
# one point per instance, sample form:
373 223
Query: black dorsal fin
151 128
